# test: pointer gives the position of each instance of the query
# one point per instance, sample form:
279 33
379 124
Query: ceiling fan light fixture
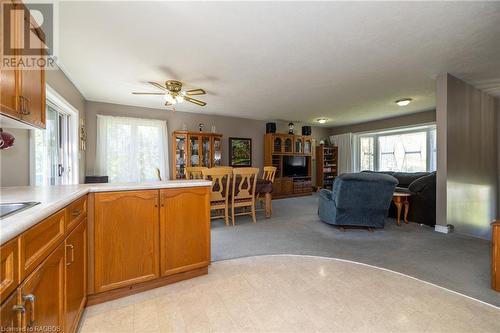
404 101
179 98
170 99
321 120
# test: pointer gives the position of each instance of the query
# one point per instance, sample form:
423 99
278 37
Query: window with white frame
406 150
131 149
54 150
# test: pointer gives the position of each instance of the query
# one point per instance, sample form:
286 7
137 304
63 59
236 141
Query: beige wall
468 141
227 126
14 162
406 120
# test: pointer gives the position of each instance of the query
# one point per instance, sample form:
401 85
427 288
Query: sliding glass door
52 150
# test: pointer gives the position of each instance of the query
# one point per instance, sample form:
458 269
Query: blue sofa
357 199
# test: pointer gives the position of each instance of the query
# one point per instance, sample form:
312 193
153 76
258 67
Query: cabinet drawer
40 240
76 211
9 268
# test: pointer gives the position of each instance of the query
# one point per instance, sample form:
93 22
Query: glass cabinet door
180 156
277 144
217 150
206 153
298 145
307 146
288 145
194 150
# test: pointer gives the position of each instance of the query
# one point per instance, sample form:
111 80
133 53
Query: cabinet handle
22 310
72 248
156 201
23 103
75 213
162 200
30 298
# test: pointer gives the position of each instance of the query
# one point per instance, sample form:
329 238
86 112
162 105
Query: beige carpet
294 294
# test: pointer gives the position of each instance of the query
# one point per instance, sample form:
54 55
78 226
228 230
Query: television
294 166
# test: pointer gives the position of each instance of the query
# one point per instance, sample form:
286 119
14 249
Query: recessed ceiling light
321 120
404 101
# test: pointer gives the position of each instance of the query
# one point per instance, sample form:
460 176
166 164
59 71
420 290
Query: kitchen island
85 244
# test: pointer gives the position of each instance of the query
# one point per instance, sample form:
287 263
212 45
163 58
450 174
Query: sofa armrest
420 184
326 194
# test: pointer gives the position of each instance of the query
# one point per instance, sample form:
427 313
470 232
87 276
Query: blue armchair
357 199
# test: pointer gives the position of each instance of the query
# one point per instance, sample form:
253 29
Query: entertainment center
292 157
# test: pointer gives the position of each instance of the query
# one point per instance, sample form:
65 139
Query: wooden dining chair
194 172
243 191
228 169
268 174
220 189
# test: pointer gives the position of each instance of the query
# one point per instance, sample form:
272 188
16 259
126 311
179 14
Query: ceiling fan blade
157 85
147 93
196 92
195 101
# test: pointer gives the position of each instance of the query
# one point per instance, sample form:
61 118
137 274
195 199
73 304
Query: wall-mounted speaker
270 127
306 130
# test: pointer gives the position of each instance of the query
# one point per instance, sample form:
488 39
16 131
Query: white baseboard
441 228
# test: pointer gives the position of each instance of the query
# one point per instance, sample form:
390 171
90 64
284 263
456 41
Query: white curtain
344 142
131 149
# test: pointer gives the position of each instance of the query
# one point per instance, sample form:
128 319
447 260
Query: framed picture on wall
240 152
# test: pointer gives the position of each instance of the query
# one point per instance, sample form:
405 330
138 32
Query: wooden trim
140 287
495 256
90 245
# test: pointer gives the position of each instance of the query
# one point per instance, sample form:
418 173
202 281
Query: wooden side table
400 200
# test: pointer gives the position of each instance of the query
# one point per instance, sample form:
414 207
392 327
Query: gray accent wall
227 126
467 188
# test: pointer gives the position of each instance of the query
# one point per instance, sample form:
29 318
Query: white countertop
54 198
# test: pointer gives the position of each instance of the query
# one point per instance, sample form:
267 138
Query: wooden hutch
326 165
195 149
276 147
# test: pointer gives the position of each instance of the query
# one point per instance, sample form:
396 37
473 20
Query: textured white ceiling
295 61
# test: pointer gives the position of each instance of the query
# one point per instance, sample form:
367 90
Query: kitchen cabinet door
32 94
76 275
43 294
11 314
9 268
126 238
184 229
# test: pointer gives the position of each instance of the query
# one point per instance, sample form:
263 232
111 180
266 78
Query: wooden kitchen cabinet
126 238
76 275
184 229
9 268
11 314
37 242
42 294
23 89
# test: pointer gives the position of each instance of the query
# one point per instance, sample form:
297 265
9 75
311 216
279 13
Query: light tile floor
294 294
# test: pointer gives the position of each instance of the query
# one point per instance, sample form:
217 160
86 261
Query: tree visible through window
410 150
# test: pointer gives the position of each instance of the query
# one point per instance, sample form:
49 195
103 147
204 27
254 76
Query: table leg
269 205
399 205
407 207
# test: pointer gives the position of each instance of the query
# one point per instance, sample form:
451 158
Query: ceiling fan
173 93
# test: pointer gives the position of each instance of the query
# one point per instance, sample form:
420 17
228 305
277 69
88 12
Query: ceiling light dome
321 120
404 101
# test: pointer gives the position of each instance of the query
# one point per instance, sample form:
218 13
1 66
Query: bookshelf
326 165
